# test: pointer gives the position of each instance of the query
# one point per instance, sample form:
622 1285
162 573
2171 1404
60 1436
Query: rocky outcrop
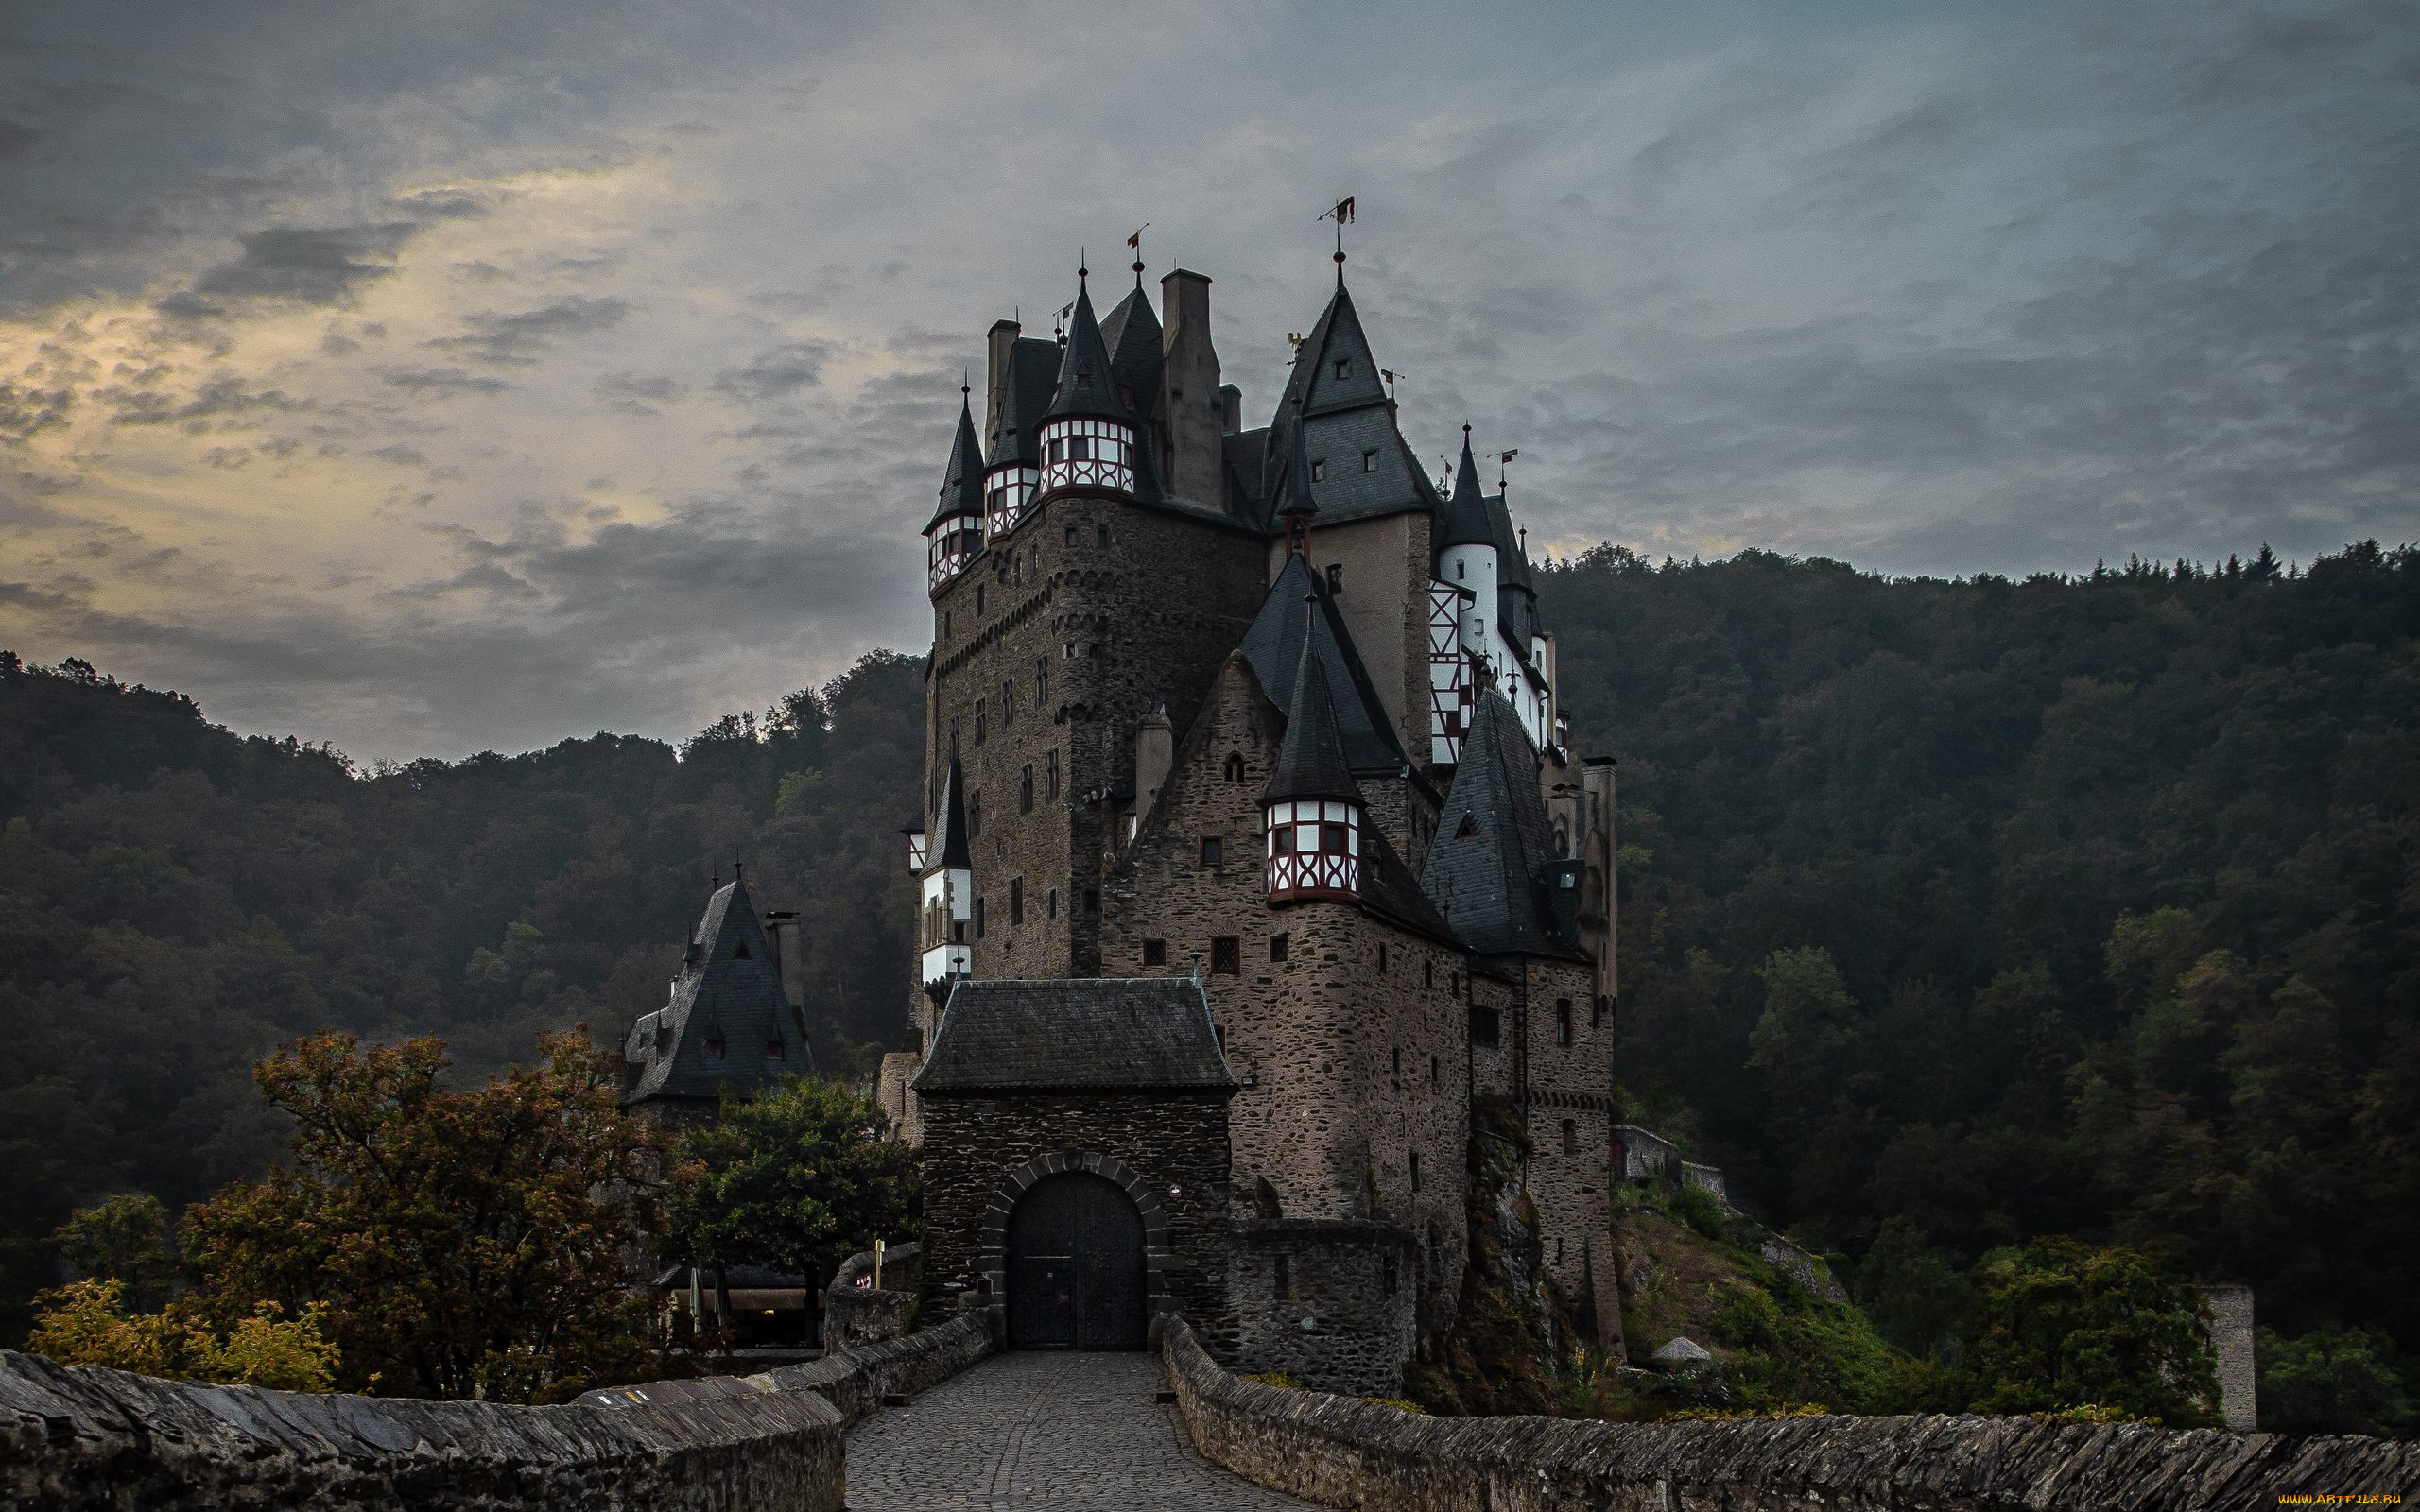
1343 1452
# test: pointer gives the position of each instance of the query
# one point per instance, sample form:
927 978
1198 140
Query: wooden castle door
1075 1266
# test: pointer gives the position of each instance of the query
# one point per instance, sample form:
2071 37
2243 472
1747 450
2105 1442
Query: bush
88 1323
1696 1207
2333 1379
2060 1324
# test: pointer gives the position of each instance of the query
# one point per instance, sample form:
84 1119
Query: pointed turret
1465 522
1336 402
1088 433
1312 806
1494 869
949 887
956 531
1132 335
728 1026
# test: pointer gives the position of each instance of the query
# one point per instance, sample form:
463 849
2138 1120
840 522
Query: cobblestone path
1066 1433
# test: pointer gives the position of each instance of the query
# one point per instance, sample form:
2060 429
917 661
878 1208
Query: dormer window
774 1048
1344 367
1319 471
740 952
1370 461
713 1046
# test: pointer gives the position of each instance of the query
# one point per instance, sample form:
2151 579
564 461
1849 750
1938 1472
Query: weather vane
1342 212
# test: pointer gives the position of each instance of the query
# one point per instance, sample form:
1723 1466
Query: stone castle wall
1333 1304
1566 1095
1340 1452
1118 607
1174 1145
1353 1064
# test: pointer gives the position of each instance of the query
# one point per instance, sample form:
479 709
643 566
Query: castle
1254 852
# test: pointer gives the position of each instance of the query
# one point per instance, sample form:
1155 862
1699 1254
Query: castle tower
1311 809
726 1028
1088 433
955 533
946 892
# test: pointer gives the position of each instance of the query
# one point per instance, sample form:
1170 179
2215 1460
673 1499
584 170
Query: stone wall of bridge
1344 1452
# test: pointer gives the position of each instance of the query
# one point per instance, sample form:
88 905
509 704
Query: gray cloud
633 395
319 265
25 408
444 383
514 338
777 374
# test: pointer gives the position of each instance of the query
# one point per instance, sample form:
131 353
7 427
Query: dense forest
1954 913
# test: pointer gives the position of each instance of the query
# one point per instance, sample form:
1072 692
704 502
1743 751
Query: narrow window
1081 448
1071 536
1344 367
1332 839
978 599
983 726
1432 1071
1100 534
1415 1170
1461 569
1370 461
953 742
1336 577
713 1046
1210 849
1008 704
1155 953
1277 947
1016 901
1483 1027
1235 767
1428 974
975 814
1050 770
1398 1065
1382 957
1092 902
1227 954
1595 1013
1562 1020
1041 680
1570 1137
773 1048
1025 789
1052 902
1318 474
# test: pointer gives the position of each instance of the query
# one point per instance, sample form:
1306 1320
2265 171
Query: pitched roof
1487 868
1315 384
1347 425
1310 760
948 846
1466 522
728 994
962 481
1033 367
1273 644
1087 385
1132 333
1076 1035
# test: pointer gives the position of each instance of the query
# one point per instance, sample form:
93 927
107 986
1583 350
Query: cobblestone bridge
1072 1433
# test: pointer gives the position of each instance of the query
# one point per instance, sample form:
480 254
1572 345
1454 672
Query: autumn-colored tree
475 1242
798 1178
2061 1324
88 1323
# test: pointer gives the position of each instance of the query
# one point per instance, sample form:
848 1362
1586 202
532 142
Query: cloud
778 372
633 395
25 409
444 383
318 265
512 339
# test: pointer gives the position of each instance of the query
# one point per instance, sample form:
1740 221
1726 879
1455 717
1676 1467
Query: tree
2061 1324
2333 1379
477 1242
123 1239
88 1323
798 1177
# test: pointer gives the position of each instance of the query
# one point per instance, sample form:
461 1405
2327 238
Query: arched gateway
1076 1271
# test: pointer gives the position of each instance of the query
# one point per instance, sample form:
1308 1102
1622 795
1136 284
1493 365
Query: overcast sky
433 375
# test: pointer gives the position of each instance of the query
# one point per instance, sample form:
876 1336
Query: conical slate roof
1335 403
1466 522
1486 868
1088 383
1132 335
962 483
949 847
728 1026
1273 644
1033 367
1310 760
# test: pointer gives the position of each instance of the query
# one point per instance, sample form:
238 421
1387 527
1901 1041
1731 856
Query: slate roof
962 481
1273 645
1341 417
1133 1034
1465 522
1517 598
948 846
1033 368
1132 333
1310 760
1491 883
1087 386
730 990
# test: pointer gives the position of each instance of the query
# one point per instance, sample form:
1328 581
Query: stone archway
1075 1266
993 1251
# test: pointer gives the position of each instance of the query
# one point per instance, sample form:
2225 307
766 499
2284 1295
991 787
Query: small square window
1344 367
1155 953
1227 954
1318 474
1210 849
1370 461
1071 535
1100 534
1483 1027
1277 947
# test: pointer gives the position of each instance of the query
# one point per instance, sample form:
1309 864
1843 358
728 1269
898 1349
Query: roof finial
965 384
1340 214
738 869
1082 272
1135 241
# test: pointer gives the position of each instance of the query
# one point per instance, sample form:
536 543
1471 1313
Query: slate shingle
1108 1033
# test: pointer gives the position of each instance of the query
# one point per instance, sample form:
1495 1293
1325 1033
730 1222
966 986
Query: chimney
1155 753
789 956
995 373
1231 409
1190 404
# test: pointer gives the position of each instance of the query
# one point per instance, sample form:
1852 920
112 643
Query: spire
1466 521
1023 399
1311 760
949 847
963 482
1086 385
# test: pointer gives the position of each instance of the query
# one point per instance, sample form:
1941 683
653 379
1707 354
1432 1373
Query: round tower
1466 558
1088 433
1312 808
955 533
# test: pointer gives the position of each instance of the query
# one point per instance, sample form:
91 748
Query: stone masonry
1330 1303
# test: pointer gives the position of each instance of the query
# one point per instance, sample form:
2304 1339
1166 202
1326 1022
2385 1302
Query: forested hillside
1957 913
1953 913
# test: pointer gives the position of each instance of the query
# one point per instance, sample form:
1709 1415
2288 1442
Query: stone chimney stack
1002 341
1155 753
1190 404
1231 405
789 955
